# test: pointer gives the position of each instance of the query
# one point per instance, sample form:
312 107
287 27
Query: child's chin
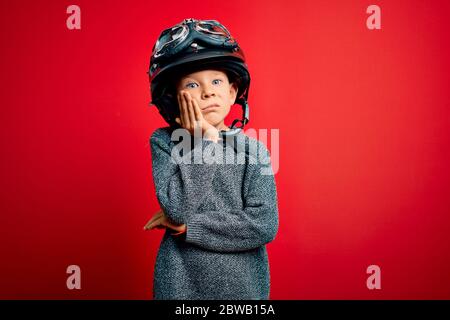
212 118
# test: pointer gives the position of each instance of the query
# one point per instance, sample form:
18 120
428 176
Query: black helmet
190 46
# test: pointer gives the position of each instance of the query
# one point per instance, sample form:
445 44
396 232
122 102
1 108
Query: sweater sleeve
180 185
239 230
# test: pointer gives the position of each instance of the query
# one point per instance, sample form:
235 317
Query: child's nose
207 91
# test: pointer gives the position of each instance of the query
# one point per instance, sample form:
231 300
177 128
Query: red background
364 144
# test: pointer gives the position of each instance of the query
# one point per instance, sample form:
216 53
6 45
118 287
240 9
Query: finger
198 113
191 110
185 111
156 222
156 216
149 223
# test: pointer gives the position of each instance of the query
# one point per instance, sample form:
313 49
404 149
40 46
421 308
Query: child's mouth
211 107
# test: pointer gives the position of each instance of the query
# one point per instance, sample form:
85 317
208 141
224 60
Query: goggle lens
171 37
212 30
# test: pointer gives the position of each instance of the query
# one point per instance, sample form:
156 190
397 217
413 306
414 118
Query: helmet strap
245 118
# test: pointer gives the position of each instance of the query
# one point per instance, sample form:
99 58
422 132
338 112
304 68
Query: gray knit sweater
230 209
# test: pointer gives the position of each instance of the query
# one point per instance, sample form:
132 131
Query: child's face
210 87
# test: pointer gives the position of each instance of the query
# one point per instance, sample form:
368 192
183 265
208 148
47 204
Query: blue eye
216 80
189 84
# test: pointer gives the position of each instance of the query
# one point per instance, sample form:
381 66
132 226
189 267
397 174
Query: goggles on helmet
175 39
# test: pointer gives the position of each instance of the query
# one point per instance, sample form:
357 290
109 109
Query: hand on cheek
191 117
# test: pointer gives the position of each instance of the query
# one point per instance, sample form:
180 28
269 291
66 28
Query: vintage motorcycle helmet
190 46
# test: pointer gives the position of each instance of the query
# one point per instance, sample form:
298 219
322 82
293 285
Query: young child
218 215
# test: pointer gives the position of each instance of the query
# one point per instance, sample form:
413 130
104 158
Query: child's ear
233 92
